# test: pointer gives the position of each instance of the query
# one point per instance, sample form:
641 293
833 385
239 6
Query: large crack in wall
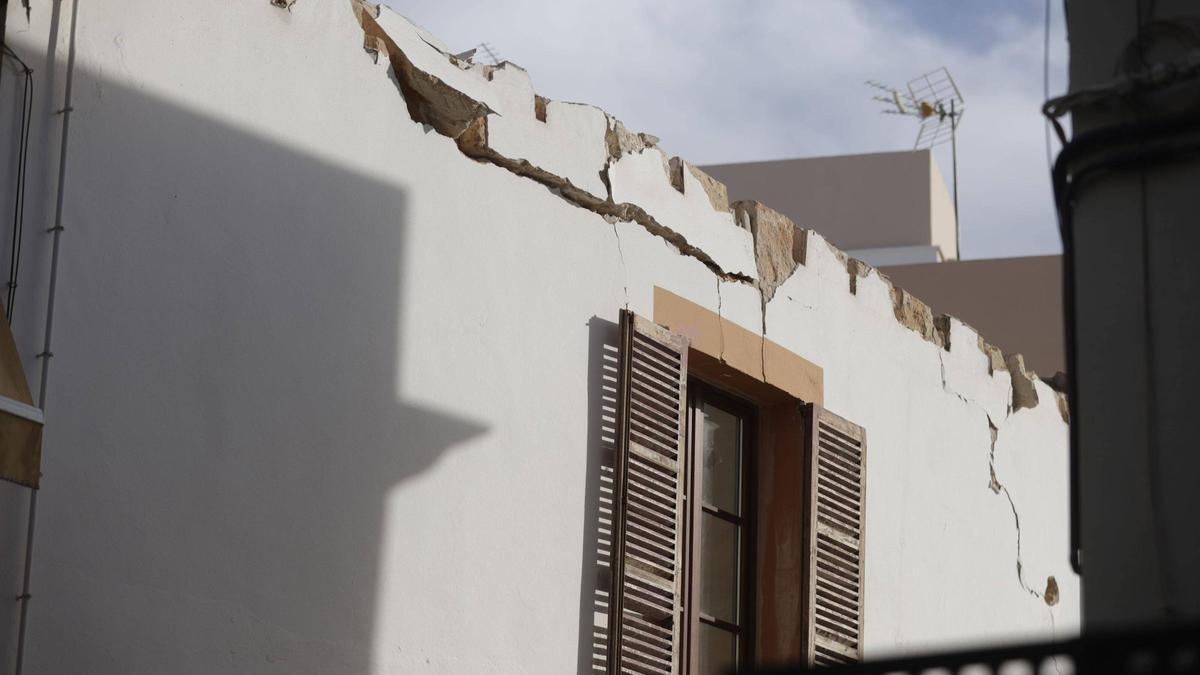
780 246
1050 595
998 488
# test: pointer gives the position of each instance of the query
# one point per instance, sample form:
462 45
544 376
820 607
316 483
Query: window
719 563
685 513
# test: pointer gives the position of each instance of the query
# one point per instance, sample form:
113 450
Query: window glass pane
722 450
718 650
719 548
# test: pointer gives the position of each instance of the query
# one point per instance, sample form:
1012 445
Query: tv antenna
490 51
934 99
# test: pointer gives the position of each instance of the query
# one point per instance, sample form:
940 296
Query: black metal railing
1160 650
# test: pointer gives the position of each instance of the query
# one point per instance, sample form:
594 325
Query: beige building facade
892 210
885 208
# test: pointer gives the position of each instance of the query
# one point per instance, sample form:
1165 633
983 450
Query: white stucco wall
322 391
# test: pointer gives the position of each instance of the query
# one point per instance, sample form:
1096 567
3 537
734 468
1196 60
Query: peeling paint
430 100
779 245
718 194
994 355
622 141
993 484
775 243
1050 595
1059 384
473 143
856 269
915 315
1024 392
1064 409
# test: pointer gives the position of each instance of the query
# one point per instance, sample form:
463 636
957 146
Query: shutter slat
651 359
654 405
835 455
837 478
653 379
828 562
661 341
839 507
646 417
657 458
653 480
640 435
644 600
846 542
838 445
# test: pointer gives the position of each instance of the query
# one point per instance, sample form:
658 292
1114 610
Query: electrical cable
1046 84
14 264
56 237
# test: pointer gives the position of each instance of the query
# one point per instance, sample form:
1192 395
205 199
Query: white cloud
723 82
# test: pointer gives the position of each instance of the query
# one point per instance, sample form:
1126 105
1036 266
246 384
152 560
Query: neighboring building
366 362
892 210
1015 302
884 208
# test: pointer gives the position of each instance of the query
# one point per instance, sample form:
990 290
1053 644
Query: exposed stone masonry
779 244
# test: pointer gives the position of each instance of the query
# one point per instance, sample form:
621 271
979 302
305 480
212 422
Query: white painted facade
322 384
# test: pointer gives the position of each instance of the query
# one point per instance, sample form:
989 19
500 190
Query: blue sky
719 81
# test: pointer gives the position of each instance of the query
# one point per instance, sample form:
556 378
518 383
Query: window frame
699 392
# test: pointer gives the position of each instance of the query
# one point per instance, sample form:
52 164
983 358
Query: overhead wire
51 294
1046 84
18 228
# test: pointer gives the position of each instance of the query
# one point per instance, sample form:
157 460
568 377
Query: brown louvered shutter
645 606
833 607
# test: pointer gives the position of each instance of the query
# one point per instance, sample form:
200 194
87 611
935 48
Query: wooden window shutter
645 607
835 455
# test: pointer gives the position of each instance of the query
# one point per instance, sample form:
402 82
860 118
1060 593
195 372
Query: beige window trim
746 362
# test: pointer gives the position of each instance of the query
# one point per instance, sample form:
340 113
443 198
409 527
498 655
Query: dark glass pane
718 651
722 458
719 548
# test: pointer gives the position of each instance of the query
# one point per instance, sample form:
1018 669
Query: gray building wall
1015 302
908 202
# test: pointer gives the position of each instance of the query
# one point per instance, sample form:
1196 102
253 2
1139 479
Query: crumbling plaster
592 160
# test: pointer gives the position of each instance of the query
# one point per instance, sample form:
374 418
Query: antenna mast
490 51
934 99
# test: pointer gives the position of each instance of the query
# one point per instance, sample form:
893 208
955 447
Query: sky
720 81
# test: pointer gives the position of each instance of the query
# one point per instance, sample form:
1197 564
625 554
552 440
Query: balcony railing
1161 650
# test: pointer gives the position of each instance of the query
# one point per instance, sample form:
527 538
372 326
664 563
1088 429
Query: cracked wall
526 224
639 180
793 271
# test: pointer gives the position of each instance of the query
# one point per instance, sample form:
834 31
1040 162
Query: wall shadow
227 346
603 354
